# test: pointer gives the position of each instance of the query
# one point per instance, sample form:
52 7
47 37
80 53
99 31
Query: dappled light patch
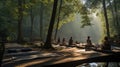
34 33
33 62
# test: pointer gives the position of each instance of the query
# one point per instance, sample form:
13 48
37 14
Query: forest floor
38 57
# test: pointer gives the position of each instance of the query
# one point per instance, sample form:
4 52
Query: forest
50 22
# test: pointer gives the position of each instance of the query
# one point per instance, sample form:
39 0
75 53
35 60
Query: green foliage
9 14
70 18
112 5
70 8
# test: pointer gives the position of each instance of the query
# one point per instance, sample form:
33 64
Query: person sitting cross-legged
89 43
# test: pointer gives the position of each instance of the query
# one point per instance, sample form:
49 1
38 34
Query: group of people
70 42
106 45
64 42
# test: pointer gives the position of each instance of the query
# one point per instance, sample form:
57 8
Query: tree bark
20 18
113 14
58 20
116 13
2 52
32 21
116 16
41 21
106 19
49 34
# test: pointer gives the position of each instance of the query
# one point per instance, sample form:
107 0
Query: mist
73 29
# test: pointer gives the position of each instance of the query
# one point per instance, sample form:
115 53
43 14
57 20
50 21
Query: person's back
58 42
106 44
89 43
70 41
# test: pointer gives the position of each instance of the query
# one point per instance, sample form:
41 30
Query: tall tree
112 11
49 34
58 19
20 18
116 12
106 18
32 21
41 20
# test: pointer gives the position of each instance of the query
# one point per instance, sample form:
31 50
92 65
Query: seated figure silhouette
106 44
89 43
70 41
58 41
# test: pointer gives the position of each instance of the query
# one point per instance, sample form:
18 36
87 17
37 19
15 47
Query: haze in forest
73 29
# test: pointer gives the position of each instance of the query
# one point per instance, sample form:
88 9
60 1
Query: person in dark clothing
89 43
106 44
58 42
70 41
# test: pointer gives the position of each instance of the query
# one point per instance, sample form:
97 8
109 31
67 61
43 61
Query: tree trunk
20 18
32 21
58 20
116 13
106 19
2 50
113 14
116 16
41 21
49 34
3 40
